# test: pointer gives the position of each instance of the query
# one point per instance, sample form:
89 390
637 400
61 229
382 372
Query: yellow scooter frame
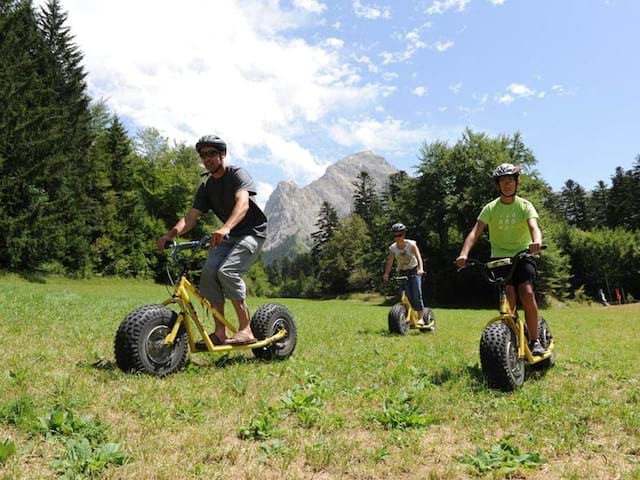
508 317
187 311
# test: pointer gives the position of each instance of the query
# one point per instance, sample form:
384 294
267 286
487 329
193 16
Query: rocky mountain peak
293 211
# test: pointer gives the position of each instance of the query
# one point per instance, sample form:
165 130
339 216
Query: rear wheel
499 357
398 321
268 320
139 345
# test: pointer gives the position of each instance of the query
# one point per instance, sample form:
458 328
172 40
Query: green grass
352 402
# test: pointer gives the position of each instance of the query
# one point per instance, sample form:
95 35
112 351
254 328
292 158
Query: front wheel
268 320
139 345
544 335
429 318
499 357
398 321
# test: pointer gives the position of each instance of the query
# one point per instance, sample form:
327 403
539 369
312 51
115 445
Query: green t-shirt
508 228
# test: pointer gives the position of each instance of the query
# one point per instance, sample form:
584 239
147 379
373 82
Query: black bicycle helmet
211 141
505 169
398 227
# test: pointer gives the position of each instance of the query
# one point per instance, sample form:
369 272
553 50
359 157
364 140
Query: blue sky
296 85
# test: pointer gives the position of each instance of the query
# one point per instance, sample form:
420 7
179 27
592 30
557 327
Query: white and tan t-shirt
405 257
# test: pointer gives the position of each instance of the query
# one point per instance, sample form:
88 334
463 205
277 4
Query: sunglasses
398 235
211 154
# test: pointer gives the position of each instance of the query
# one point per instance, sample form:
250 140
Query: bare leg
530 306
220 331
242 311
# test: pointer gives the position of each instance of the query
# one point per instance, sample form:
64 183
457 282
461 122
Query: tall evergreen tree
573 205
598 205
326 224
365 198
622 198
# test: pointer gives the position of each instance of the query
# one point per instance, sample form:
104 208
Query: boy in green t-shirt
513 227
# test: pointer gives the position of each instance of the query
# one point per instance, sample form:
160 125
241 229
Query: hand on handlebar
218 236
461 261
535 247
163 242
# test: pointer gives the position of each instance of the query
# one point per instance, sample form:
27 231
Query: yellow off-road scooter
403 317
504 350
155 339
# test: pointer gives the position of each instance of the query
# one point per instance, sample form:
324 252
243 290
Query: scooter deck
246 346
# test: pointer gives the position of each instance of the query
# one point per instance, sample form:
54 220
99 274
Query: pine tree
327 223
598 205
365 199
573 205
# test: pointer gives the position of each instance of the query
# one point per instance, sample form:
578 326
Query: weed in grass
320 454
277 449
20 413
380 454
503 457
63 421
304 402
7 449
400 414
19 377
80 458
191 412
239 386
262 426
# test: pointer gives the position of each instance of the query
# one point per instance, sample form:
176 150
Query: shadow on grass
34 277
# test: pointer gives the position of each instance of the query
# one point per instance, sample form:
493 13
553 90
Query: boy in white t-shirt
407 254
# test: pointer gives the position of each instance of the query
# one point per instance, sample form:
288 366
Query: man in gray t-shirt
228 191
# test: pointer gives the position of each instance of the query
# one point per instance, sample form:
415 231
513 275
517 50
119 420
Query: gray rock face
293 211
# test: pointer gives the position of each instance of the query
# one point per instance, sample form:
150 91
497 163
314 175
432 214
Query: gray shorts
222 272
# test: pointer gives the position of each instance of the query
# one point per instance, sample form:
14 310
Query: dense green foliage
592 236
79 196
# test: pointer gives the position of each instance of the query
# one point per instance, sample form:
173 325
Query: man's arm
469 242
240 209
388 266
419 258
183 225
536 235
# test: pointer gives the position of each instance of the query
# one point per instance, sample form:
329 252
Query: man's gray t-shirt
218 194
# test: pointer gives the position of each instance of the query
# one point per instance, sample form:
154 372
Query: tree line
593 236
79 196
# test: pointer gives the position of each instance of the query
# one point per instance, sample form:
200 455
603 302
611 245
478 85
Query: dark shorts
526 271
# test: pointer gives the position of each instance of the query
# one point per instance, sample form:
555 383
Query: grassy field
352 402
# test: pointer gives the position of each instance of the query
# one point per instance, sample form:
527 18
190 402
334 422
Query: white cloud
520 90
562 91
263 193
481 99
455 88
441 6
390 76
167 67
420 91
312 6
506 99
334 42
443 46
443 109
414 43
391 135
516 91
497 2
370 12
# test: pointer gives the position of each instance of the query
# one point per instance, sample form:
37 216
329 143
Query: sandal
214 339
241 338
